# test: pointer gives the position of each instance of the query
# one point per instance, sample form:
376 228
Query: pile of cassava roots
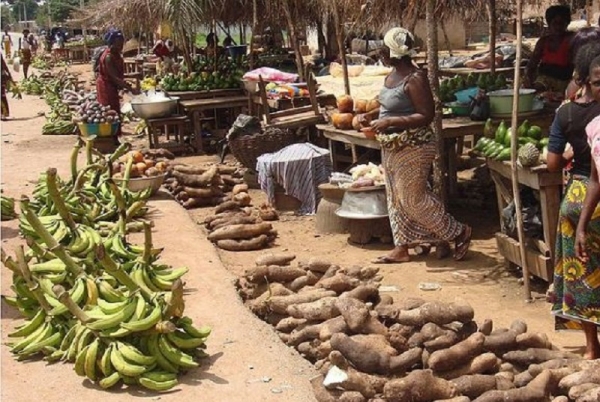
205 186
369 347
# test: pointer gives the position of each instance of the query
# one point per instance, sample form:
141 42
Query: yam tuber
209 192
593 395
288 324
198 202
236 232
444 341
535 391
333 326
455 399
437 312
304 333
196 180
187 169
533 340
227 206
318 310
321 393
273 273
365 293
307 280
339 283
474 385
419 386
560 398
520 327
242 199
407 360
360 356
523 378
259 306
535 355
500 343
457 355
239 188
486 326
318 265
239 220
352 396
578 378
279 304
225 169
280 259
377 342
354 311
578 391
485 363
255 243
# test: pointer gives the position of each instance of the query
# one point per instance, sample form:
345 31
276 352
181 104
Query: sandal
463 241
387 260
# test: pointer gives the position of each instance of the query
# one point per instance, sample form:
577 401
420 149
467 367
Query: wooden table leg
197 131
332 155
451 180
550 202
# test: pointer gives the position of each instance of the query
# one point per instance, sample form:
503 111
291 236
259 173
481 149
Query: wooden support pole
513 151
440 173
339 35
491 8
254 29
293 37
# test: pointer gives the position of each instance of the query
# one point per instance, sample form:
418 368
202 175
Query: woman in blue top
408 148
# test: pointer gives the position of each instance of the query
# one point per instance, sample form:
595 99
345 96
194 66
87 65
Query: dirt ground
248 362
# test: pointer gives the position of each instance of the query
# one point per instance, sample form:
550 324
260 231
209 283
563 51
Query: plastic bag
17 64
270 74
532 217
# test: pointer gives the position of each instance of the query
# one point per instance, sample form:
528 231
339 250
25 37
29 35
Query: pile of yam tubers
236 226
368 347
203 186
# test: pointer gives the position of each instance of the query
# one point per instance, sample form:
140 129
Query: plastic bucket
465 95
501 102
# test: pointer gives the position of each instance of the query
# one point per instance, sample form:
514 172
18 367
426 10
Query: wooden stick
491 7
513 150
440 171
339 35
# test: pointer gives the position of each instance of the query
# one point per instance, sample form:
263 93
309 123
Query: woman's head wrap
395 39
112 35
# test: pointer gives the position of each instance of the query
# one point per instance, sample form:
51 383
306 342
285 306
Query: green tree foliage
6 17
23 9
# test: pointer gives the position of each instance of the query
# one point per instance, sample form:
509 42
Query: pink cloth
593 133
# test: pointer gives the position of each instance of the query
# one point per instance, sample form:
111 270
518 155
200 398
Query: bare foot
397 256
591 354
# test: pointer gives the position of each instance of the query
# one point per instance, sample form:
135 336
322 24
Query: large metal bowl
363 204
142 183
155 107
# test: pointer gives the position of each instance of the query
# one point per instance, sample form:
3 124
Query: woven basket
247 148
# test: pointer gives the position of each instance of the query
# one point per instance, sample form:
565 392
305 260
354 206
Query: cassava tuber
280 259
419 386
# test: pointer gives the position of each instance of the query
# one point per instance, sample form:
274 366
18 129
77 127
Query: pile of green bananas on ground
40 63
58 127
32 85
7 208
91 298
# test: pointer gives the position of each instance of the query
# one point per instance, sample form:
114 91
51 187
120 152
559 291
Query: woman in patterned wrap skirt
408 149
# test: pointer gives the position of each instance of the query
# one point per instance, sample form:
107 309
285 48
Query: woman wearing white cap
164 50
408 149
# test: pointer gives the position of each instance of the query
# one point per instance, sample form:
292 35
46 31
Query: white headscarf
395 40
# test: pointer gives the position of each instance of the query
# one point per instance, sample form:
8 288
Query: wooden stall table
540 258
451 72
195 107
133 65
78 54
60 54
291 103
216 93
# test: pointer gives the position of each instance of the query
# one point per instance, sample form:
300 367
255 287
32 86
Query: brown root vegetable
405 361
520 327
268 214
318 310
198 202
273 273
431 331
474 385
404 330
533 340
457 355
437 312
535 369
318 265
225 169
304 334
444 341
536 391
500 343
354 311
210 219
275 259
288 324
190 170
522 379
361 356
486 326
504 381
227 206
239 188
535 355
578 391
486 363
259 306
419 386
397 341
279 304
239 220
196 180
455 399
307 280
231 181
384 300
578 378
209 192
339 283
182 196
560 398
333 326
365 293
235 232
593 395
243 199
378 342
367 273
352 396
314 350
256 243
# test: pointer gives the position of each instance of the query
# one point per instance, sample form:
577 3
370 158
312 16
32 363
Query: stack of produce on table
148 83
495 143
89 111
369 347
348 109
8 208
204 186
236 227
90 41
89 296
484 81
144 164
205 77
368 175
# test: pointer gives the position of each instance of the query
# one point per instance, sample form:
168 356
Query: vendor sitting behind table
550 68
165 51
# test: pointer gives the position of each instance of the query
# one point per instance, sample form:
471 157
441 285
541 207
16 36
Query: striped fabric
299 169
